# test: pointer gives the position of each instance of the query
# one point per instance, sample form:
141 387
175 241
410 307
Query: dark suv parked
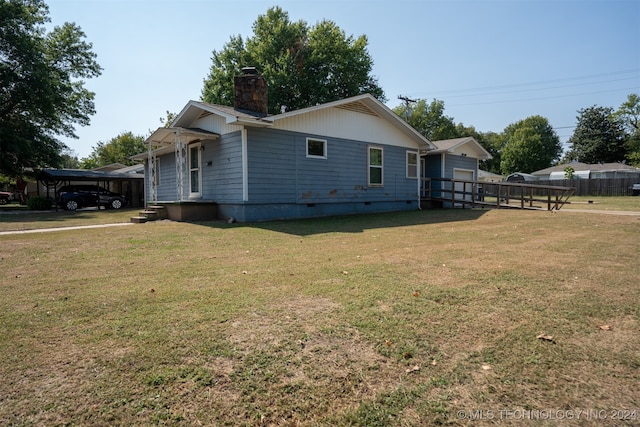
72 197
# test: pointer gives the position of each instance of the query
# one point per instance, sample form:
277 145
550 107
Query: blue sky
492 62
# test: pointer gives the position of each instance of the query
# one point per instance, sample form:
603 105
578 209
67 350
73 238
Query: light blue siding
458 162
284 183
167 169
271 164
433 166
222 179
280 171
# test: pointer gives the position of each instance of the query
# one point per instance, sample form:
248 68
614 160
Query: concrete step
159 211
139 219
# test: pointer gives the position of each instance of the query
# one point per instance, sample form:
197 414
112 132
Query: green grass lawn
15 217
415 318
628 203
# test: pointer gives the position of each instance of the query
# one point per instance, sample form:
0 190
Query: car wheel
116 204
71 205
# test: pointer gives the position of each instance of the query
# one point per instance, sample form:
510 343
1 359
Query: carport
129 184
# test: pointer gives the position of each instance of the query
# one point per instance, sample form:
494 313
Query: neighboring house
485 176
113 167
589 171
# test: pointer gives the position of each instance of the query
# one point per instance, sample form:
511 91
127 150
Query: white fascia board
254 123
187 114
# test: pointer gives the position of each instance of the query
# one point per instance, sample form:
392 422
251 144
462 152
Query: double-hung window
412 164
374 169
194 170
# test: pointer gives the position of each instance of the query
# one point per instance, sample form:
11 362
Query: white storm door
195 171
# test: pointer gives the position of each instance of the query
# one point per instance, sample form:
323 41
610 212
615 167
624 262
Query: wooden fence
595 187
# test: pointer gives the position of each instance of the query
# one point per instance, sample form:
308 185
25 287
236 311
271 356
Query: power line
635 71
539 89
542 98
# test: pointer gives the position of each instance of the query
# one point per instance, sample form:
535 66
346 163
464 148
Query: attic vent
358 107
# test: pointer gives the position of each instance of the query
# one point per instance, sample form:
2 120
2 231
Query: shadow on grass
359 222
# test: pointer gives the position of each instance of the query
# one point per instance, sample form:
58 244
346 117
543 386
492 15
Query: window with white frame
412 164
374 169
194 170
316 148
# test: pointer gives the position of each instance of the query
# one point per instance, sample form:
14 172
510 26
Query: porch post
181 155
151 161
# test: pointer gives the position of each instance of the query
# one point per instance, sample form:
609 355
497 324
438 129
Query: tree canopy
529 145
629 115
598 137
42 93
303 65
118 150
429 119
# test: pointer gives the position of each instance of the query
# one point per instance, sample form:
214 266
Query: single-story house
485 176
588 171
354 155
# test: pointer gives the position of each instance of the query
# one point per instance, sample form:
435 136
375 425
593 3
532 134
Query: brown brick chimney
250 92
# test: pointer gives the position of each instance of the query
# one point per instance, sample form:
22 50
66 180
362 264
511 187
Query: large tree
529 145
42 93
302 65
428 119
118 150
599 137
629 114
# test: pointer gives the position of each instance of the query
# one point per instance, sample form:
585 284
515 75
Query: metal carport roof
49 175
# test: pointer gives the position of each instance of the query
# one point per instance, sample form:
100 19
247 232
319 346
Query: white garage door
461 187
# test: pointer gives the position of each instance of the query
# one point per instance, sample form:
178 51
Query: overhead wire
466 91
538 86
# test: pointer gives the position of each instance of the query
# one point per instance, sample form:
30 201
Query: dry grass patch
377 320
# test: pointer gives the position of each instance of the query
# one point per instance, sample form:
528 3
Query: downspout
419 161
245 166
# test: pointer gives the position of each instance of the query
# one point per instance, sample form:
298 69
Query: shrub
39 203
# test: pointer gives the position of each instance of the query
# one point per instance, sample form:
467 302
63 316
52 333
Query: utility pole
407 102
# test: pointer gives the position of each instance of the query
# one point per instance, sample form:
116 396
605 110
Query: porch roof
167 136
450 145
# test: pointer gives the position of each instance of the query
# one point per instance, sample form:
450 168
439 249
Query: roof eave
167 136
